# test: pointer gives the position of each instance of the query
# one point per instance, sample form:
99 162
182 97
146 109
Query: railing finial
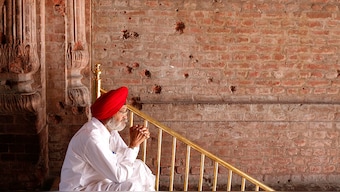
97 85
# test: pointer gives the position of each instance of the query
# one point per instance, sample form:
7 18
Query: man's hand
138 134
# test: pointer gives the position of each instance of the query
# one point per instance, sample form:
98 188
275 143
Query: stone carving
15 102
19 61
77 54
77 59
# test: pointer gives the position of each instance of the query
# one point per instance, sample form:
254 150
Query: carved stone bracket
79 96
15 103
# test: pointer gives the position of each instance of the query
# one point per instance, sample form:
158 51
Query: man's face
119 120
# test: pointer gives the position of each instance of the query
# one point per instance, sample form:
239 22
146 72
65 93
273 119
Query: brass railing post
97 80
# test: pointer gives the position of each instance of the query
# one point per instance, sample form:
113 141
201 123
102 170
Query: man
97 158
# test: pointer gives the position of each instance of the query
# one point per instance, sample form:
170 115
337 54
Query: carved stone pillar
77 54
21 110
19 60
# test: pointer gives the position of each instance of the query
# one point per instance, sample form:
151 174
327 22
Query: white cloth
99 161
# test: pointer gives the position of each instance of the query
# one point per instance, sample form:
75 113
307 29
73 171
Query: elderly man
97 158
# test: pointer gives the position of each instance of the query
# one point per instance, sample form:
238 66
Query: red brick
316 15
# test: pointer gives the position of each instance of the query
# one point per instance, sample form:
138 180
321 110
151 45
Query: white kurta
99 161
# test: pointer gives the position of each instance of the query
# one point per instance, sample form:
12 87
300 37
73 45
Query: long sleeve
117 168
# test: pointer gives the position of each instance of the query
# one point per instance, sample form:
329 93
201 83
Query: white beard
112 124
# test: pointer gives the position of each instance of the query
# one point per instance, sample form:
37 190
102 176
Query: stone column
77 54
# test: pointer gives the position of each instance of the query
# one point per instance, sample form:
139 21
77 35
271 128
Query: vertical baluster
187 165
159 150
173 160
144 143
215 175
257 188
230 176
200 182
131 118
243 184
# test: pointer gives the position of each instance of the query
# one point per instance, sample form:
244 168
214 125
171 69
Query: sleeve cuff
132 153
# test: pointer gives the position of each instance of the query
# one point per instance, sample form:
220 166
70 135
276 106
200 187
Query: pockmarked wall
256 81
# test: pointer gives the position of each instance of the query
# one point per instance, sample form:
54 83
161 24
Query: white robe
99 161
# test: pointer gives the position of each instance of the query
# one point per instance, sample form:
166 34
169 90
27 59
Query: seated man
97 158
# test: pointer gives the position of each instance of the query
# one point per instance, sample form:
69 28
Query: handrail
190 144
198 148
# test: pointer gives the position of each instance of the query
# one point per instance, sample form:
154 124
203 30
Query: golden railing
190 145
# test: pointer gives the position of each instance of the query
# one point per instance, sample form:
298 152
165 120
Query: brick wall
22 154
226 51
256 81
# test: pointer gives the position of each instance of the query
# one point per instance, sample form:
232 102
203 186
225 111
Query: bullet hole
176 10
61 105
129 69
9 84
186 75
56 119
147 73
191 56
127 34
78 110
135 101
196 60
135 65
289 180
135 34
232 88
180 26
157 89
210 79
104 49
129 18
338 71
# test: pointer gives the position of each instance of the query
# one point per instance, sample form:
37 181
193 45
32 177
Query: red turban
109 103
